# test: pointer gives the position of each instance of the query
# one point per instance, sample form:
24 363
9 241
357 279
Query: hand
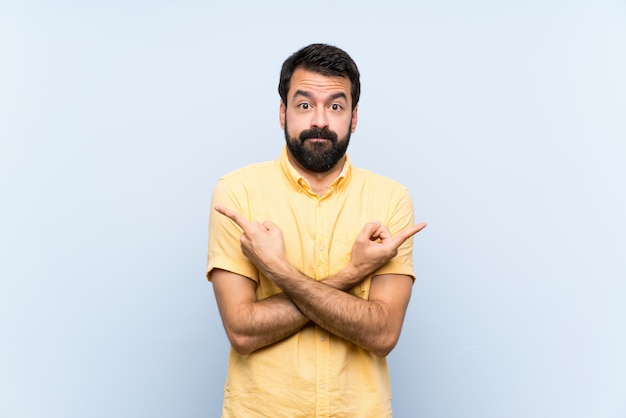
374 246
262 243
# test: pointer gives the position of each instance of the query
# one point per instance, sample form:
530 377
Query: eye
336 107
304 106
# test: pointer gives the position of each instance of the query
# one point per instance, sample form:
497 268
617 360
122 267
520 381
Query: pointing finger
408 232
234 216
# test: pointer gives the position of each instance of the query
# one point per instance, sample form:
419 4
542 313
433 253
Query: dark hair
323 59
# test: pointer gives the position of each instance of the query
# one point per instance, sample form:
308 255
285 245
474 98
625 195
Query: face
318 120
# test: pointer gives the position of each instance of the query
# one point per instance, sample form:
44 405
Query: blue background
506 121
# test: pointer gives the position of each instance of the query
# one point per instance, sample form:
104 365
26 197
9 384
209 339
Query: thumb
369 230
269 224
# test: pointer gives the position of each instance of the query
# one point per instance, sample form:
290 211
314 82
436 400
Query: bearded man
311 259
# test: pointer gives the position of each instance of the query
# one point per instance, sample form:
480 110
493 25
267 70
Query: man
311 259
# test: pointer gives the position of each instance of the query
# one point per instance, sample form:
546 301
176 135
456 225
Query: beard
315 156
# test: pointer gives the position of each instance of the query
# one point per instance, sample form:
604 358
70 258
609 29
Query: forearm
345 279
363 322
249 323
373 324
265 322
252 324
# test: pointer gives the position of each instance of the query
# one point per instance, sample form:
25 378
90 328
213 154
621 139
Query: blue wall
504 119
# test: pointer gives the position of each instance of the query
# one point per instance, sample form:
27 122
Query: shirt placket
322 340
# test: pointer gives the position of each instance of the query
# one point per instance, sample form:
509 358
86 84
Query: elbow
383 350
241 343
385 345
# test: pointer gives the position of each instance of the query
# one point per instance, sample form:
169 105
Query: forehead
316 83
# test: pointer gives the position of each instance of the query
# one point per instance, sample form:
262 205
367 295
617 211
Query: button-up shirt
312 373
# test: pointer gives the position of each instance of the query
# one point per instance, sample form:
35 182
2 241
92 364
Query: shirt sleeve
224 235
400 217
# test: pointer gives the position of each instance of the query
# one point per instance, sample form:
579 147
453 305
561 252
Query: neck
320 182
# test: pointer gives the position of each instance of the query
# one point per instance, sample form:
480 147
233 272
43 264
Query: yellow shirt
312 373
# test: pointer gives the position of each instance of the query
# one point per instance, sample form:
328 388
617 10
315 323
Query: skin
373 324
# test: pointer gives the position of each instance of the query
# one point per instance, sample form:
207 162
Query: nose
319 118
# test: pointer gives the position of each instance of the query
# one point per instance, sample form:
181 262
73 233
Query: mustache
323 133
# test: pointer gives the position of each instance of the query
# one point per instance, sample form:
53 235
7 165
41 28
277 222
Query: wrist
280 271
349 276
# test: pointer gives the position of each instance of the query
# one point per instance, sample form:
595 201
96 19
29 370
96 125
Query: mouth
317 143
318 136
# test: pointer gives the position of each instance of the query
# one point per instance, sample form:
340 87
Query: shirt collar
300 183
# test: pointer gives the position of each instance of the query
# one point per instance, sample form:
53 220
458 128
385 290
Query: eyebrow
308 95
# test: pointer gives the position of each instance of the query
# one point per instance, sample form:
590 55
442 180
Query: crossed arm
372 324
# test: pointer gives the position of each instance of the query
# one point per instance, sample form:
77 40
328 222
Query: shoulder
382 192
362 176
251 183
253 176
252 171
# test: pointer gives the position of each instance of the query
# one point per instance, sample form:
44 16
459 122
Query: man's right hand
262 243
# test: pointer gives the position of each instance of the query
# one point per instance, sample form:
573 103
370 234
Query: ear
281 115
355 117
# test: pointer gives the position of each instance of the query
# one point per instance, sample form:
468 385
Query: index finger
234 216
408 232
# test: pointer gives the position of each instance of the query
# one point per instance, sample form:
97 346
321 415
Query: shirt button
322 386
321 248
322 338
